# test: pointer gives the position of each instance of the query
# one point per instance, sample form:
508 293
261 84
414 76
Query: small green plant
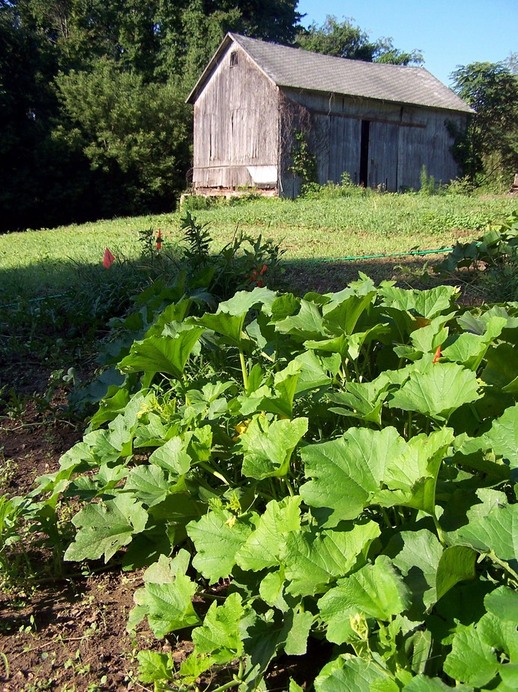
495 249
428 184
245 262
14 560
346 188
197 241
303 164
12 404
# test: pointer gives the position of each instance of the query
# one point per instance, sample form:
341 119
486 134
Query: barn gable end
380 124
235 127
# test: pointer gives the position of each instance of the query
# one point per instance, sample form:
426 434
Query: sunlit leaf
263 547
315 559
105 527
162 354
166 598
376 591
267 447
438 392
217 537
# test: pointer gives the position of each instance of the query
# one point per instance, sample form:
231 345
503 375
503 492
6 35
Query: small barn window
233 58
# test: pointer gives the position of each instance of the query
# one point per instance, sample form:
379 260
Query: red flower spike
263 270
437 355
108 258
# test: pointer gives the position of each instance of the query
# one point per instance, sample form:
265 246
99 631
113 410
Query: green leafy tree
490 145
26 108
79 32
343 39
133 132
191 30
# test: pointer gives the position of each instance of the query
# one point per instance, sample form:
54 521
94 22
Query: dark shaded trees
132 132
92 114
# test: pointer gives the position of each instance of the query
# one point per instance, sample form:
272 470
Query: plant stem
243 369
227 686
214 472
504 566
440 532
6 665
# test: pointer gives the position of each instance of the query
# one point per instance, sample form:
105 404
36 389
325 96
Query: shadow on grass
52 315
326 276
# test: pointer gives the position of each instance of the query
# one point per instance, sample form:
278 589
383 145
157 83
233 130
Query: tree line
93 120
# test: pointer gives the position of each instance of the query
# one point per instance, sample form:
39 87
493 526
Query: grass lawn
56 298
38 262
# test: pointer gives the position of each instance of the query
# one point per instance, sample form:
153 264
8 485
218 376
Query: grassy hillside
56 298
36 262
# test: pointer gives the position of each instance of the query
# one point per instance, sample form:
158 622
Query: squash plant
340 467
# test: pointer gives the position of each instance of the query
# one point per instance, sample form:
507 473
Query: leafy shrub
492 259
245 262
338 466
346 188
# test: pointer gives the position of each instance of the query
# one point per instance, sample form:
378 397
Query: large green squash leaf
474 656
217 537
243 301
438 392
342 313
267 447
469 349
502 438
221 635
105 527
427 303
376 591
347 472
495 532
263 546
366 467
503 603
314 559
166 598
167 355
362 400
350 673
306 324
149 484
172 457
412 481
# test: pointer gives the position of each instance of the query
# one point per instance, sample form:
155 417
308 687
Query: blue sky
448 32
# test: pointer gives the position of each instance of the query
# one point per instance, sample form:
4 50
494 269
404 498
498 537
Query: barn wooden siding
379 144
236 127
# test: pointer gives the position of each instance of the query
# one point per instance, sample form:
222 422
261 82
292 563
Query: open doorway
364 153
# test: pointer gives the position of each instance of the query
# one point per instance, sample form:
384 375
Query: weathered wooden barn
379 123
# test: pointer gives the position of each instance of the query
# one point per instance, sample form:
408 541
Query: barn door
383 141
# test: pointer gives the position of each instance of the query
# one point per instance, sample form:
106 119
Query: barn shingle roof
300 69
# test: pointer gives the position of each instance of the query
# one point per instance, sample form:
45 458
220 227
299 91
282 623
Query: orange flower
159 240
437 355
108 258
